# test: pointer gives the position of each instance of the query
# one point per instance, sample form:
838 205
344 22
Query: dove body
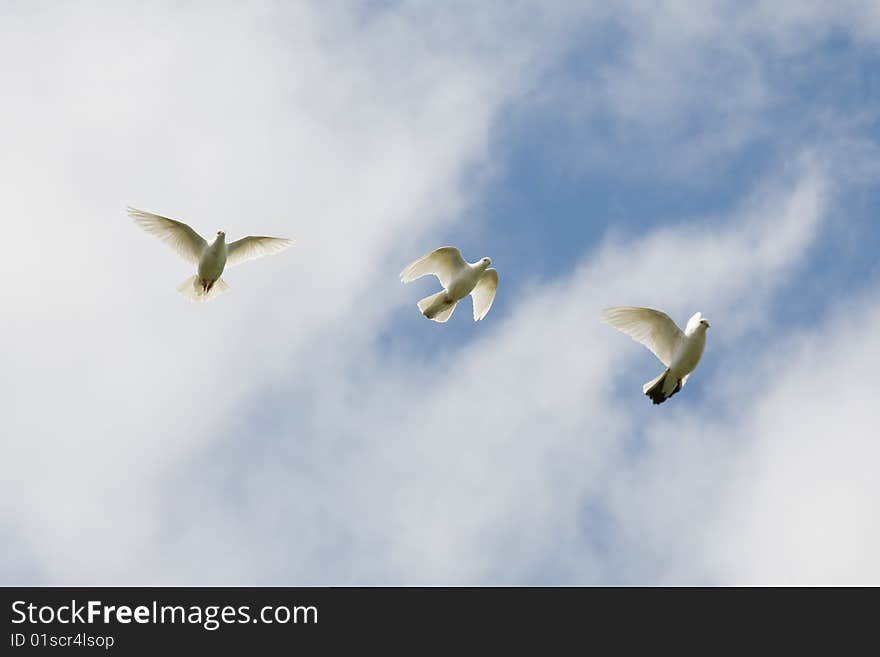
688 350
463 284
459 279
460 286
213 261
680 351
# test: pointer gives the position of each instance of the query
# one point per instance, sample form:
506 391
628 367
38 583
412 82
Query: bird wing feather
652 328
254 246
176 234
444 263
483 293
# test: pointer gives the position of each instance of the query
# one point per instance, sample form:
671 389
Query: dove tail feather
193 289
655 389
436 307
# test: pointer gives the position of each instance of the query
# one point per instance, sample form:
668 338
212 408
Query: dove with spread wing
680 351
459 278
211 259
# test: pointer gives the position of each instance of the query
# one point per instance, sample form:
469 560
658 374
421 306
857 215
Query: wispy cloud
276 428
477 464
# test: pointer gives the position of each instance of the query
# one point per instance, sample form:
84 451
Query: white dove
210 258
680 352
459 278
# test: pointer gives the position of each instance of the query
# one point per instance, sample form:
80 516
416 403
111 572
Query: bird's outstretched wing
180 237
254 246
483 293
652 328
444 263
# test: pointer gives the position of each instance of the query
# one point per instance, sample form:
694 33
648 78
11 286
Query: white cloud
490 463
296 121
688 86
779 488
266 438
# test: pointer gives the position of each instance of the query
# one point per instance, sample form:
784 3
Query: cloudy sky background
310 427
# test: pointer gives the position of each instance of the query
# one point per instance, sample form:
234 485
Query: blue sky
544 208
311 427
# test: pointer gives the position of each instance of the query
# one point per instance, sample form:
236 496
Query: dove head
485 262
696 323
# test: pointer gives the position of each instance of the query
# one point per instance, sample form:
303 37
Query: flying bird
678 351
211 259
459 278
